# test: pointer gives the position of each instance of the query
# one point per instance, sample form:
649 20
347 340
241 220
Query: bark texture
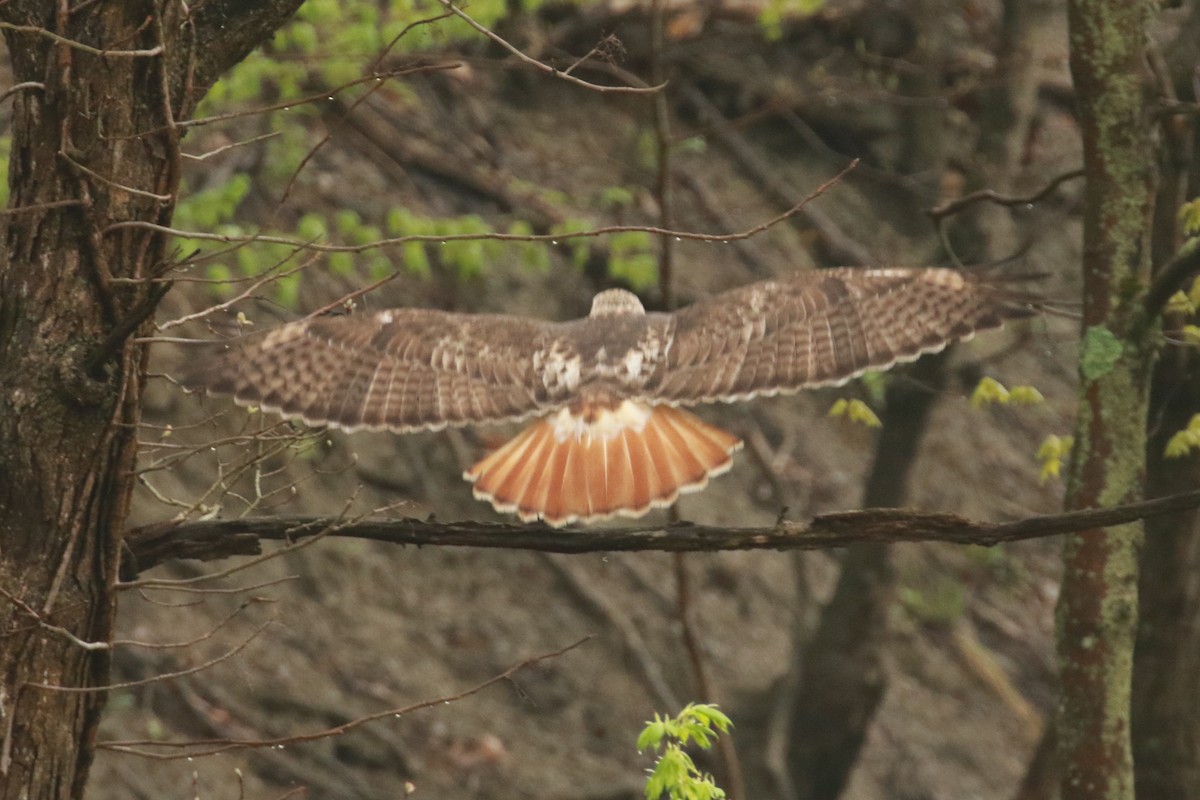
1166 675
1097 611
94 143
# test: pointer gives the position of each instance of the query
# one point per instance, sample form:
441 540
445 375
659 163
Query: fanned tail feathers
627 460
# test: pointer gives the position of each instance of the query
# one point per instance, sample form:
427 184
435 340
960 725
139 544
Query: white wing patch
559 367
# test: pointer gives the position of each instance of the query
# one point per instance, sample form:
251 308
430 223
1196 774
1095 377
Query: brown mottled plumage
612 440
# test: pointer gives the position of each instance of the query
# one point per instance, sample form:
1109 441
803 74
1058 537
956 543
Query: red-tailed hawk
610 437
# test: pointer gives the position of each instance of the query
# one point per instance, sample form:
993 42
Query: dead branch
991 196
533 62
211 539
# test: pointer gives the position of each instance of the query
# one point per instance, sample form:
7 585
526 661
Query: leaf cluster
855 411
1183 442
990 390
1053 451
675 775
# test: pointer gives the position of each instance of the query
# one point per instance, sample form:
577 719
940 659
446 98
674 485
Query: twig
533 62
41 207
63 632
190 642
553 238
20 87
164 676
268 275
209 539
217 151
286 105
40 31
224 745
162 198
958 204
713 208
843 248
120 333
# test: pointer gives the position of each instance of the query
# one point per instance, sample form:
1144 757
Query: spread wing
404 370
824 327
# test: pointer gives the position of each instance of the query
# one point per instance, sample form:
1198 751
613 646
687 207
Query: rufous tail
586 466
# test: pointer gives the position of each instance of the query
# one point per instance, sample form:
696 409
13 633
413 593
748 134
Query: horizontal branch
210 539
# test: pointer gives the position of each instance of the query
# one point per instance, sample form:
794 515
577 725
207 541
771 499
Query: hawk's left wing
403 370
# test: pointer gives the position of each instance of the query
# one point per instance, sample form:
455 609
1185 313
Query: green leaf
312 228
1053 451
855 411
347 222
875 384
675 774
416 260
1025 396
988 391
1101 350
341 264
616 197
1183 442
1180 303
1189 217
652 735
398 222
713 716
287 291
218 272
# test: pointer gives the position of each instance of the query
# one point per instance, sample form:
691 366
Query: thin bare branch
20 87
223 148
162 198
40 207
553 238
164 676
538 65
54 37
55 629
988 195
215 746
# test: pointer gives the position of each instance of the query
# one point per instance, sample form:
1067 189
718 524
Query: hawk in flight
610 435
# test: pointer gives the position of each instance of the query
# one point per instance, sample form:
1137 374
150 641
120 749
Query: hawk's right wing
823 327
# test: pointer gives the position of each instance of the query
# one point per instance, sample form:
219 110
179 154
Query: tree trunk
93 144
1166 661
1097 610
1166 677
